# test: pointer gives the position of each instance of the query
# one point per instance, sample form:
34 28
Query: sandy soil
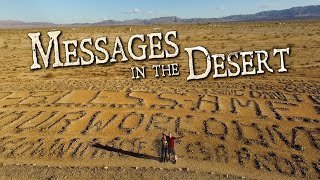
56 122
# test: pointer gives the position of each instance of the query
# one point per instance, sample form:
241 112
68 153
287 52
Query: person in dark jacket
164 148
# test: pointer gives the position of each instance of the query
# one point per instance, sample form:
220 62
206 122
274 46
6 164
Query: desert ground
64 123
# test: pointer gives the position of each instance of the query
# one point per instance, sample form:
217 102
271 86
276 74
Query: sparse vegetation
48 75
188 38
101 103
290 45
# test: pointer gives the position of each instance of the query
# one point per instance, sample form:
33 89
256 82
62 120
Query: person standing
171 149
164 148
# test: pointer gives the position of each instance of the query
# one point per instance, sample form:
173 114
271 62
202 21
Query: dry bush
188 38
290 45
48 75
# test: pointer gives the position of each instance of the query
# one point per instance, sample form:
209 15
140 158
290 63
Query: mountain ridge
295 13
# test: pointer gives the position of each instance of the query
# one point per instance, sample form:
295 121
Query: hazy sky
73 11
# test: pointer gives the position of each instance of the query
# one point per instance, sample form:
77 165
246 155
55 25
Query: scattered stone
185 169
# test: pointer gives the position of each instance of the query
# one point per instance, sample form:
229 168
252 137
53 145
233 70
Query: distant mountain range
295 13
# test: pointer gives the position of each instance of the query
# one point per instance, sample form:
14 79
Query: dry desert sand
57 123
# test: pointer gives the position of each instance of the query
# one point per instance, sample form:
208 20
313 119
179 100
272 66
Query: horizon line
48 22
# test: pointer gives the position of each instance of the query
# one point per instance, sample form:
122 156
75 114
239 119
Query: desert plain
97 122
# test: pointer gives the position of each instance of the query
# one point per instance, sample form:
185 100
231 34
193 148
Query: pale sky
79 11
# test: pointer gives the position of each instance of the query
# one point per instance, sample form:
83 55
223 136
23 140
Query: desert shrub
48 75
290 45
5 45
188 38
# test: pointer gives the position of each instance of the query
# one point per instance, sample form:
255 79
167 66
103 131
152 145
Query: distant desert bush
48 75
290 45
188 38
5 45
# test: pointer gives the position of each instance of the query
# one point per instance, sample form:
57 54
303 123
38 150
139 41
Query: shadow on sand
129 153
